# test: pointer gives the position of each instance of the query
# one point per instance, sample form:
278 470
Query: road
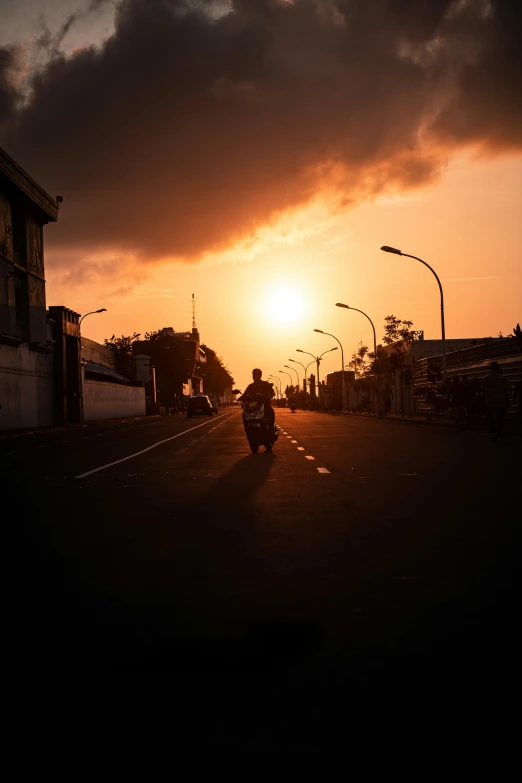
349 599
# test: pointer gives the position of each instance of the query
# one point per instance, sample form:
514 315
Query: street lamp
317 359
297 374
103 310
388 249
287 373
304 377
339 304
278 386
343 387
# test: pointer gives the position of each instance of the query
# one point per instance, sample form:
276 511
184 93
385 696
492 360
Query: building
107 393
194 355
44 379
26 337
176 359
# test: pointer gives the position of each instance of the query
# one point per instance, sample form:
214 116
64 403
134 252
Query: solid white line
149 448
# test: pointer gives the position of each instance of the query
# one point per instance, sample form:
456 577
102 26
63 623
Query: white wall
103 400
26 388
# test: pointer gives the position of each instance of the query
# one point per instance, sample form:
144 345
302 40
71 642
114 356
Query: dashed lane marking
294 441
309 457
143 451
300 448
322 470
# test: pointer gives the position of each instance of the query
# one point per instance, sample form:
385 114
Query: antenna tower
193 312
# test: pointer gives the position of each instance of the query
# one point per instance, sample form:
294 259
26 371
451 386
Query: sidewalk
513 426
99 424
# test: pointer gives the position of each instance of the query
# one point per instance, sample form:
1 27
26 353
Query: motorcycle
258 428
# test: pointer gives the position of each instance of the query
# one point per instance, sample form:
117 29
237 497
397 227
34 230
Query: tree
517 334
216 374
359 362
122 347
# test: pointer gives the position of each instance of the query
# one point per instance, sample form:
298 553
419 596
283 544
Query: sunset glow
285 306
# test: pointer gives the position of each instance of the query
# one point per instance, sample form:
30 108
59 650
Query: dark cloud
9 95
50 42
189 129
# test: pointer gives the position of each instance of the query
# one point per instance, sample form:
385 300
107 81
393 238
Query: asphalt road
347 602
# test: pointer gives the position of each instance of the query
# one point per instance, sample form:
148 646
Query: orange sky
166 154
467 227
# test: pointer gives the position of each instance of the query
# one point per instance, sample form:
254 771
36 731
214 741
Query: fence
473 362
103 400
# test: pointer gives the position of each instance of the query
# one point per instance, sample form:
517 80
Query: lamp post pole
287 373
343 386
318 361
304 377
347 307
388 249
339 304
103 310
278 386
297 374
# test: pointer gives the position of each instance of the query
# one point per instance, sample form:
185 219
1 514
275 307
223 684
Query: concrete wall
26 388
97 353
112 400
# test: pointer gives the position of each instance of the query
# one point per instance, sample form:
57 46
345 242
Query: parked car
199 406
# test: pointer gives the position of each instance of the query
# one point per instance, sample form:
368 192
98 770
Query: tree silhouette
122 347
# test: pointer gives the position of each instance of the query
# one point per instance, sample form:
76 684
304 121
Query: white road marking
309 457
294 441
322 470
300 448
149 448
289 437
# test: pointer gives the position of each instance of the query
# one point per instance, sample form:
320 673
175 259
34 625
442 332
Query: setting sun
285 306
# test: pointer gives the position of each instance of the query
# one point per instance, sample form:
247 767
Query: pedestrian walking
468 394
496 399
457 396
517 397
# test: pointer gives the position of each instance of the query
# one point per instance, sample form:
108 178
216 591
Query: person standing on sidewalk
517 398
458 402
496 398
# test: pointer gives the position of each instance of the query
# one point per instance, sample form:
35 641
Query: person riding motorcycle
266 389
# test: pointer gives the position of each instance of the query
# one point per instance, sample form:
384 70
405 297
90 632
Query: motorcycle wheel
254 447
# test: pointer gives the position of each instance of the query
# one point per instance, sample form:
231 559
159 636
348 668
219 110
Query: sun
285 305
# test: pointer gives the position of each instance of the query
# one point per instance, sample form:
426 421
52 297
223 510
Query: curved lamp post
287 373
297 374
317 360
342 360
304 376
339 304
278 386
388 249
102 310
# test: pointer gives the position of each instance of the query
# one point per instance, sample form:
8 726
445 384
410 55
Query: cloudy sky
259 152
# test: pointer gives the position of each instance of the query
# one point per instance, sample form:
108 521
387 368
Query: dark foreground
216 614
